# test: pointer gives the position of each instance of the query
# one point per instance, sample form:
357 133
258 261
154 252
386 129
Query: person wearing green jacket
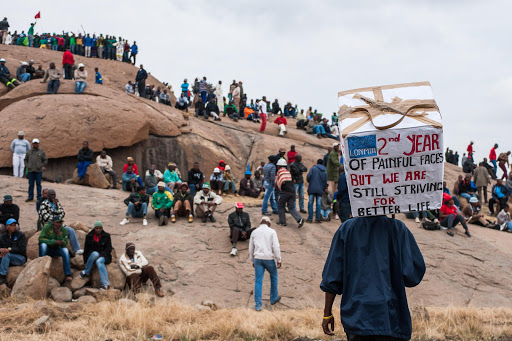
333 165
72 43
171 177
162 204
53 241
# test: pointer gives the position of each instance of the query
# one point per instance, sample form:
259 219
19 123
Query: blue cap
11 221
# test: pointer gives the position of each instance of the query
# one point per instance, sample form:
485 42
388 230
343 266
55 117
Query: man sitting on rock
500 194
229 181
97 251
8 210
50 207
137 204
130 182
5 76
135 169
281 123
206 202
212 109
195 179
240 225
472 212
53 241
217 181
106 165
85 157
162 204
258 183
171 177
153 176
247 187
13 249
135 267
182 204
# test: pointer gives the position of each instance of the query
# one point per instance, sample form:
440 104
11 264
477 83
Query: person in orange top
281 122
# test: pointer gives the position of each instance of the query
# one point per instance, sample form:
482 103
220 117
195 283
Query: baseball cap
239 205
228 167
35 141
21 133
265 219
206 185
11 221
216 170
335 144
2 60
57 218
160 184
7 197
472 200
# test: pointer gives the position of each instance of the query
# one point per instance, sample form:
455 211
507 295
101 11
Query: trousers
18 165
135 281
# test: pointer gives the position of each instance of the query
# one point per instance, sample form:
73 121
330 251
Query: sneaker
309 221
234 251
276 301
436 220
79 252
318 221
29 200
275 212
190 218
166 220
281 224
104 287
266 214
303 210
417 220
336 217
212 219
467 233
173 218
257 308
161 220
450 233
301 222
82 274
145 222
124 222
204 218
503 227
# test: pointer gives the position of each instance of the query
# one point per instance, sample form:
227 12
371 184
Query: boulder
13 273
57 269
87 299
68 307
101 295
79 226
77 263
93 177
33 246
52 284
42 324
116 277
61 294
78 283
79 293
29 234
33 280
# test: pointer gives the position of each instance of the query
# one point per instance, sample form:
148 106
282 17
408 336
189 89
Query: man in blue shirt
371 261
135 50
500 194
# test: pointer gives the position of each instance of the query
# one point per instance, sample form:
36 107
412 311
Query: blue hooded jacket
317 179
371 261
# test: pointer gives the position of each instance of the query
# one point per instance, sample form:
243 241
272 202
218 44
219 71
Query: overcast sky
306 51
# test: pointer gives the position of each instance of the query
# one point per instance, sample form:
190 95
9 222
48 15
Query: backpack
430 225
195 88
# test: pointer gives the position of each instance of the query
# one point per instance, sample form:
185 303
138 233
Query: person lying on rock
85 158
53 241
8 210
206 202
171 177
182 204
106 165
130 180
49 208
240 226
162 204
137 204
13 248
97 251
135 267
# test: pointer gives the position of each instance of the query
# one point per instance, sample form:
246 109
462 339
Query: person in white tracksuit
19 148
219 96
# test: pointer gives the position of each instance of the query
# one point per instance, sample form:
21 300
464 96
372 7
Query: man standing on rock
4 31
19 148
140 78
317 179
53 241
371 261
67 64
269 180
36 162
297 169
13 249
97 251
263 249
262 108
85 157
135 267
284 183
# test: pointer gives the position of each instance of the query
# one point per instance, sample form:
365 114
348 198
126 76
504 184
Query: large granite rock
94 177
33 280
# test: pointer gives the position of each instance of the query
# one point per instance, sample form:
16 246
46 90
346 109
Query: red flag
38 15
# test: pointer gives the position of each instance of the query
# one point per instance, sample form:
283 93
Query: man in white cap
263 249
5 76
19 148
206 202
333 165
80 79
36 162
22 74
217 181
240 226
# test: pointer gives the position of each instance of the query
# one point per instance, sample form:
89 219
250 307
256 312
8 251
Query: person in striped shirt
287 195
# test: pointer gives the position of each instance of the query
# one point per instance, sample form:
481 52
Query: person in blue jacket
99 79
134 51
371 261
317 179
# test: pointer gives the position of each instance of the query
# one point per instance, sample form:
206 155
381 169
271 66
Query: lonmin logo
362 146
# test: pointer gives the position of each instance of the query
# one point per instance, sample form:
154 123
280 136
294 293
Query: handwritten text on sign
394 170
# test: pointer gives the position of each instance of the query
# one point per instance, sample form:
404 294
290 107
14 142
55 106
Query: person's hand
44 169
3 251
244 234
59 242
162 209
328 326
278 265
132 180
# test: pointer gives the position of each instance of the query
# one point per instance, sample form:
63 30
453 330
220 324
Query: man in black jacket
85 157
97 251
13 249
8 210
240 226
141 80
137 204
212 109
296 170
195 179
276 109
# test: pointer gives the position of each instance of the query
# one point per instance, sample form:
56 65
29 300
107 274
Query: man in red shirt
450 216
281 123
470 149
492 157
67 62
291 154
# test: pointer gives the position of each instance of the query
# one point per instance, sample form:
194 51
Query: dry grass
176 321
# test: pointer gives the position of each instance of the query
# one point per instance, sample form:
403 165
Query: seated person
85 158
206 202
301 120
13 248
182 206
105 163
258 182
130 180
465 188
500 194
171 177
182 103
450 216
129 88
165 98
200 108
504 221
97 251
153 177
473 214
231 111
421 214
137 204
8 210
229 181
135 267
456 185
217 181
326 204
162 204
247 187
240 226
195 179
281 123
53 241
447 191
135 169
212 109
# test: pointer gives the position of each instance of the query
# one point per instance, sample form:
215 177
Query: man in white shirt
262 106
263 248
19 148
105 163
